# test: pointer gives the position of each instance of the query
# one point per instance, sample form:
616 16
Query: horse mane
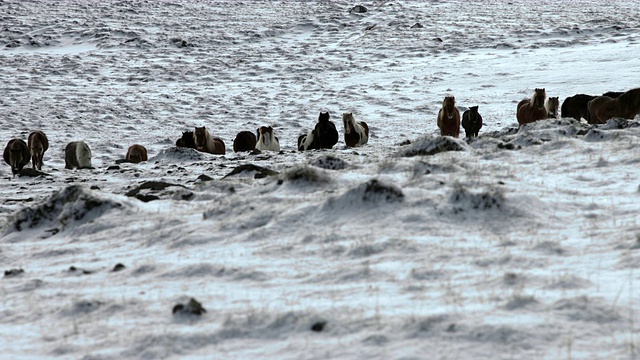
536 94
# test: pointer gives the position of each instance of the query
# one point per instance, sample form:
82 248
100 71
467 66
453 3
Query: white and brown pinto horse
38 144
77 154
207 143
449 118
356 133
136 153
603 108
16 154
531 110
267 140
552 105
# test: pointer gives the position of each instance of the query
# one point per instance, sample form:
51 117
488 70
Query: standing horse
38 144
552 104
471 122
244 141
576 106
207 143
137 153
604 108
16 154
323 136
449 118
77 154
267 140
531 110
356 133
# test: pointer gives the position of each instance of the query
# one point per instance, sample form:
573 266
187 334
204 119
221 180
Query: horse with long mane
267 140
137 153
471 122
323 136
603 108
16 154
552 104
531 110
77 154
244 141
38 144
356 133
207 143
449 118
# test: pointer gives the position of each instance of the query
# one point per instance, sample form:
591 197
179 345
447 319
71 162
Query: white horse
356 133
77 154
266 139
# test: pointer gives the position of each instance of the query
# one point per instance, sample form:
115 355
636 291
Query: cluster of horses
77 154
449 119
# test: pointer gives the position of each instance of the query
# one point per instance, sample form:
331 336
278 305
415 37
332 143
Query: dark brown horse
531 110
244 141
449 118
137 153
471 122
603 108
16 154
323 136
38 144
186 140
207 143
576 106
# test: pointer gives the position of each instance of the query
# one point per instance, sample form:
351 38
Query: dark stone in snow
359 9
318 326
193 307
118 267
13 272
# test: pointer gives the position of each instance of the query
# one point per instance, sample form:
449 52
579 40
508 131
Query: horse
16 154
186 140
356 133
323 136
77 154
576 106
267 140
136 153
604 108
449 118
613 94
38 144
531 110
552 104
471 122
244 141
207 143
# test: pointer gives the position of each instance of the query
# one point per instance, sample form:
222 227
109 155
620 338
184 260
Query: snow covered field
521 245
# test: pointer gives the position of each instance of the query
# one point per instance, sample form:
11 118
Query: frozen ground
521 245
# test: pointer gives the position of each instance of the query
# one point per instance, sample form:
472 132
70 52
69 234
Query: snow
517 245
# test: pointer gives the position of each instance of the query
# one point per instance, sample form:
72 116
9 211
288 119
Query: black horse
471 122
323 136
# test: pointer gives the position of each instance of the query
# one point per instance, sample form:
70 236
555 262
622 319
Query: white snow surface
520 245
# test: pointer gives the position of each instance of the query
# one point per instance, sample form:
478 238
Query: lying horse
186 140
531 110
356 133
449 118
471 122
244 141
136 153
16 154
552 104
323 136
38 144
207 143
576 106
604 108
266 139
77 154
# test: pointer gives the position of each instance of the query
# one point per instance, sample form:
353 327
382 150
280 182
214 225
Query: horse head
539 97
347 122
449 105
200 136
324 116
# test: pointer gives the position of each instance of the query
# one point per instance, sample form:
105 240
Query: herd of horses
77 154
594 109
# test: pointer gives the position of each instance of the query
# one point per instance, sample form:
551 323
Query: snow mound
71 205
372 192
329 162
178 154
464 200
432 146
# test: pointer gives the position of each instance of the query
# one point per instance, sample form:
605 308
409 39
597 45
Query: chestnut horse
604 108
531 110
267 140
77 154
471 122
356 133
552 105
136 153
16 154
38 144
207 143
244 141
449 118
